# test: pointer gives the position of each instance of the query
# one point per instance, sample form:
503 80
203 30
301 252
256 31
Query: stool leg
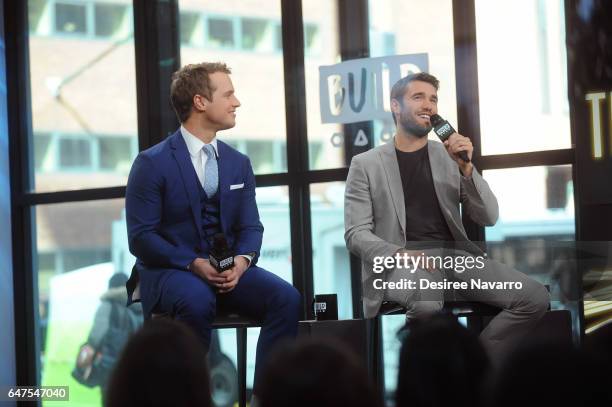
376 356
241 341
372 359
475 323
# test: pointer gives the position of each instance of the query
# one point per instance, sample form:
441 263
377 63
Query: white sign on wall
359 89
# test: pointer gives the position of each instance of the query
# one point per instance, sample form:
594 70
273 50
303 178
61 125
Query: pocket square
236 186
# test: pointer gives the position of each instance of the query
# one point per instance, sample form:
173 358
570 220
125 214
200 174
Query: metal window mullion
353 25
466 78
27 347
157 49
297 150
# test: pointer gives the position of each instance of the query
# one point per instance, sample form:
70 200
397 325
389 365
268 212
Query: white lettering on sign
595 100
359 89
361 139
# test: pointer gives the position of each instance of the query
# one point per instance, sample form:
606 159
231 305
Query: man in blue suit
183 191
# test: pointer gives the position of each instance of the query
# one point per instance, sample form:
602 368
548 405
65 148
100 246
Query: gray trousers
521 307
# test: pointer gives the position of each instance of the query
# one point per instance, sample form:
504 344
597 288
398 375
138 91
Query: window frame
155 120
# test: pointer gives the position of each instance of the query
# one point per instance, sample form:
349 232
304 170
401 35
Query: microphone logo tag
445 129
320 307
226 262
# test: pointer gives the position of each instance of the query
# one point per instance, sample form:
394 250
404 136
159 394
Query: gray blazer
375 212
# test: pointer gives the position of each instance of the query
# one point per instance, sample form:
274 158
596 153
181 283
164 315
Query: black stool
477 314
473 311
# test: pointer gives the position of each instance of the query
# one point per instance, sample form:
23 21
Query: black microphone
221 256
443 130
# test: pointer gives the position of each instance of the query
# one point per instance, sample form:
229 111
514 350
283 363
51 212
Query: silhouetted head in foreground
315 373
441 364
163 364
552 374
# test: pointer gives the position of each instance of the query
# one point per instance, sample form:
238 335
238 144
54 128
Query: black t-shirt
424 219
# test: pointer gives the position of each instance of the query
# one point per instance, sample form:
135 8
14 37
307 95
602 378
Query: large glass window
534 202
80 246
522 76
404 27
257 76
325 140
330 257
82 92
535 227
275 256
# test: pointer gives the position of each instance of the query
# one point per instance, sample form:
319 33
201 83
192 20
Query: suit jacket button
197 249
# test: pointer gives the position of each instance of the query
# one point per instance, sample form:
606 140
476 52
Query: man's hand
233 275
203 269
456 143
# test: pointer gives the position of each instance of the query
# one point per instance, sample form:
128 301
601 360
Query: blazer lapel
440 175
224 161
183 160
437 171
394 180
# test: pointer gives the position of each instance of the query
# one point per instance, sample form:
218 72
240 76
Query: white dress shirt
198 156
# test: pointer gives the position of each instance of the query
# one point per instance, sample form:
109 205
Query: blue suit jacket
164 220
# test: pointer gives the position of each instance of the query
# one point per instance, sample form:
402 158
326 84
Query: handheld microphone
443 130
221 256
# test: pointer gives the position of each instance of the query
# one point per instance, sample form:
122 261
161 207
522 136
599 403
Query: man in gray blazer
402 202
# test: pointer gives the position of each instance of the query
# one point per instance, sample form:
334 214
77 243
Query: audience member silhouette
541 373
441 364
162 365
316 373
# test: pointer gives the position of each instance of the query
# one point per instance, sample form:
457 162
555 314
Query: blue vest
211 215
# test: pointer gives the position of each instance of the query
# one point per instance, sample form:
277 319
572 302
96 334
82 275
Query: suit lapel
437 172
394 180
183 160
224 161
440 175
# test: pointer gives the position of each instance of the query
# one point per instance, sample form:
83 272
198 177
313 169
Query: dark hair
399 88
163 364
315 373
191 80
441 364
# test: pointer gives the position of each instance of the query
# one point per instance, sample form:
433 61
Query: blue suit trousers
259 294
